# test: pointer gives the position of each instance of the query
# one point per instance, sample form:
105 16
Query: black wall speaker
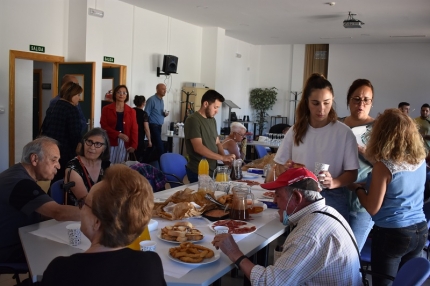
170 64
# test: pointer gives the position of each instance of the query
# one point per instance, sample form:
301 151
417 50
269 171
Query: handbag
130 162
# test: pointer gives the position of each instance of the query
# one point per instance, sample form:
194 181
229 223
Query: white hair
308 195
236 127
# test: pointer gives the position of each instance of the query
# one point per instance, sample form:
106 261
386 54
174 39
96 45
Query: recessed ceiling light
410 36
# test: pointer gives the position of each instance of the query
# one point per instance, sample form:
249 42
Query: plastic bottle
203 167
143 236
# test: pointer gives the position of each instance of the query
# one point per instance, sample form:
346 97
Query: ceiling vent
350 22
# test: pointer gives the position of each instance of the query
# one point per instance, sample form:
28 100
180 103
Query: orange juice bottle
143 236
203 167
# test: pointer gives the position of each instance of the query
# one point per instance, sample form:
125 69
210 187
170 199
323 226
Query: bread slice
184 223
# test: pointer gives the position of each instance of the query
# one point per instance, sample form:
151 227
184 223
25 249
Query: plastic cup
147 245
220 229
74 233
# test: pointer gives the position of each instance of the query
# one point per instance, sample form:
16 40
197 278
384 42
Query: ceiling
271 22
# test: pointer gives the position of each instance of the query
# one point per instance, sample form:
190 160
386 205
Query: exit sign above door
39 49
108 59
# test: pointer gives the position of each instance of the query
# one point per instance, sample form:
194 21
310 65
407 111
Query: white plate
250 176
177 242
247 224
205 261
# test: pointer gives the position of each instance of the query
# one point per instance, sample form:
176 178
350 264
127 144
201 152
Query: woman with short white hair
230 143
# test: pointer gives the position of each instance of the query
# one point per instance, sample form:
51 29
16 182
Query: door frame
122 71
14 54
39 72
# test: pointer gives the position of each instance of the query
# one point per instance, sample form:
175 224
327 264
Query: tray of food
182 231
189 253
235 226
214 215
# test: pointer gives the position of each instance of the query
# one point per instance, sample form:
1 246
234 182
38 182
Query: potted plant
262 99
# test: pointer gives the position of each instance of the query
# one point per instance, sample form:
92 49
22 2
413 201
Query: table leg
169 144
217 282
263 256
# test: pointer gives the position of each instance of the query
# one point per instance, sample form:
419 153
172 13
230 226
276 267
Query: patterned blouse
78 168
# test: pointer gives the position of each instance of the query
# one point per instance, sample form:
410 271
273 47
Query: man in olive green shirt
201 136
424 124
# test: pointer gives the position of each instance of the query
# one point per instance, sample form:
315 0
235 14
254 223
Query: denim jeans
192 177
361 224
338 199
157 143
393 247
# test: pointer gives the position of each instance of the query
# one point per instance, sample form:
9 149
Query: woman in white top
317 136
230 143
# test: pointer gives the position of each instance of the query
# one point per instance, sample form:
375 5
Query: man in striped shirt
320 249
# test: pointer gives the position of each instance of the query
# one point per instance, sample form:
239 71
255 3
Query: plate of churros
192 254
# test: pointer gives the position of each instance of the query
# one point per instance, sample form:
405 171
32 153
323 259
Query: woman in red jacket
119 121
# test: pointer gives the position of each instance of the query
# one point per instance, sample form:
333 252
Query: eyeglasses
91 143
121 92
81 203
358 100
241 135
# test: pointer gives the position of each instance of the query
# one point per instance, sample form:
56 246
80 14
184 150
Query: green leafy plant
262 99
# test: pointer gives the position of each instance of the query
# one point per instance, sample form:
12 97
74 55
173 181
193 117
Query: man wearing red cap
320 249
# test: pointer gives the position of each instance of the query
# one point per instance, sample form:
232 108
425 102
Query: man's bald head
69 78
161 89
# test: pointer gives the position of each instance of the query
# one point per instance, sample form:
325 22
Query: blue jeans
393 247
338 199
192 177
361 224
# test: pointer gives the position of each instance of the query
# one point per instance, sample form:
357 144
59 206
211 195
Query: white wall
23 104
398 72
45 25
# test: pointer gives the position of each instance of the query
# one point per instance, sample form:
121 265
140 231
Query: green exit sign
39 49
108 59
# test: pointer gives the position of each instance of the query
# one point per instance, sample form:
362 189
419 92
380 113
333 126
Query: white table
40 251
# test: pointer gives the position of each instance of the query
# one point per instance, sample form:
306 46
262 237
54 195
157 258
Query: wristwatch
239 260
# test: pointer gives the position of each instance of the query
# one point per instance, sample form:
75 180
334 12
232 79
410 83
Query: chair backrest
57 192
172 163
261 151
414 272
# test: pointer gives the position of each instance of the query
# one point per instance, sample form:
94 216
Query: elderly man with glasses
22 201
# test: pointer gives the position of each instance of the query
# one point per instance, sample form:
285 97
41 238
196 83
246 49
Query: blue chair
173 167
57 192
414 272
15 269
260 150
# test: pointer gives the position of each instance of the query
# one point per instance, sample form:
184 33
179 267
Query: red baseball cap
290 177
